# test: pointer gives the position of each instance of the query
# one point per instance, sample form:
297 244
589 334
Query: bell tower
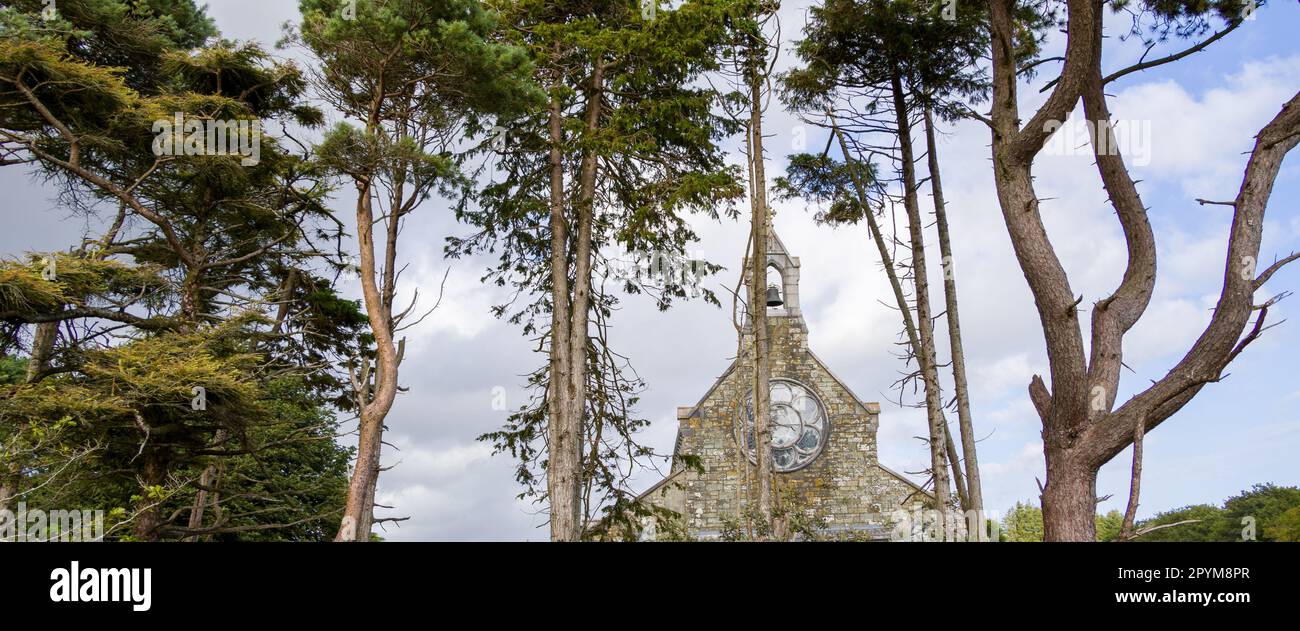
823 436
781 284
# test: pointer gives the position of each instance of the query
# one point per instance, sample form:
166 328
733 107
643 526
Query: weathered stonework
845 485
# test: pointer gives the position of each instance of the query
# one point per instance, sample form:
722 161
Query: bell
774 296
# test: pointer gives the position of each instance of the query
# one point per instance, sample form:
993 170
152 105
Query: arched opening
775 287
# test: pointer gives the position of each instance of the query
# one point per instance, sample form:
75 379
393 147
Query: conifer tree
414 74
168 354
1085 424
753 54
625 147
873 70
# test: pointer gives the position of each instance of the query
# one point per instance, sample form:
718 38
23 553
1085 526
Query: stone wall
845 485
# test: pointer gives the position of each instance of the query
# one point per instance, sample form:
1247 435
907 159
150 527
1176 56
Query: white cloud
438 463
994 378
462 302
453 489
1028 457
1168 326
1014 416
1012 479
1200 138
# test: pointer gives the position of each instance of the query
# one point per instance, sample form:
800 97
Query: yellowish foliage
45 282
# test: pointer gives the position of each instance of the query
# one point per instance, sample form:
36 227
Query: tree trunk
570 505
1127 532
148 518
191 285
954 462
7 491
358 512
374 402
189 307
974 494
287 287
1069 495
925 328
1069 499
43 338
563 454
1082 429
207 480
886 259
758 289
201 500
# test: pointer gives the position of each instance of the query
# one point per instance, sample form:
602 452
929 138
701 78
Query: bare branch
1272 269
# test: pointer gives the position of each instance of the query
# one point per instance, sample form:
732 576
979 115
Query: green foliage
794 517
822 179
625 519
1024 522
224 360
81 94
437 54
1206 518
352 152
52 281
656 156
12 370
672 527
658 144
222 227
1264 503
127 34
854 47
246 74
415 74
1273 509
73 280
1264 512
282 471
1284 527
1109 525
289 486
296 477
1158 20
150 381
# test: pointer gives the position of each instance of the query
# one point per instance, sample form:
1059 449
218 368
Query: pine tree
625 147
414 74
1084 423
872 70
187 291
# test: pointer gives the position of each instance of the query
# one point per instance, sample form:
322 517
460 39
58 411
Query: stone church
823 435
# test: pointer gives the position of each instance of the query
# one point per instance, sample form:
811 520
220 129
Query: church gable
824 438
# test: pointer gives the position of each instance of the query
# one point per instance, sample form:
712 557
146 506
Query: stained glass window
798 422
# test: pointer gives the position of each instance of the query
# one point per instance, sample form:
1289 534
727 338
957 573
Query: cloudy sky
1193 122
